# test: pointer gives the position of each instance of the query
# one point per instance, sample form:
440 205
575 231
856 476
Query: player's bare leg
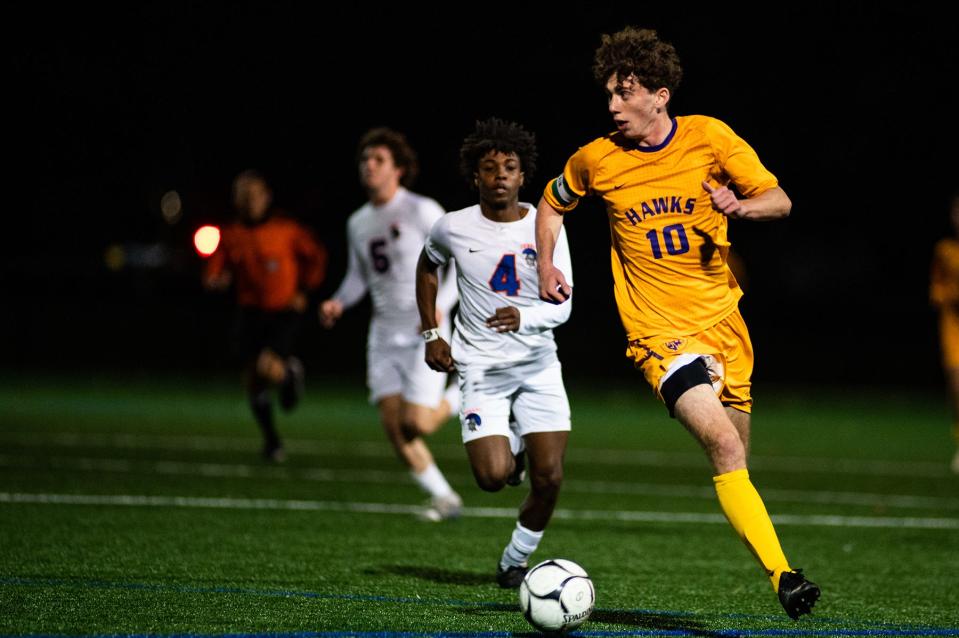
741 420
545 451
270 366
491 460
700 411
286 374
412 451
424 420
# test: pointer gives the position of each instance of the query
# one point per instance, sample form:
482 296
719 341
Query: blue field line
877 629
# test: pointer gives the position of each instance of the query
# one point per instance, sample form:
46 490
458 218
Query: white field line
132 500
220 470
377 449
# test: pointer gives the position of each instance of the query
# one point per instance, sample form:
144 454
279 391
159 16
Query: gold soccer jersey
669 246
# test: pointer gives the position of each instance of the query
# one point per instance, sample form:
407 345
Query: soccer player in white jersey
503 347
385 237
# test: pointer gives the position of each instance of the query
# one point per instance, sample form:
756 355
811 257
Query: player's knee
725 446
688 376
393 427
270 366
547 480
491 479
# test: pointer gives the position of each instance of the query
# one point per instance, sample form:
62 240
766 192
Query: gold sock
745 511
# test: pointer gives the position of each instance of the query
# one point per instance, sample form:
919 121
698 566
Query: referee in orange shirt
273 263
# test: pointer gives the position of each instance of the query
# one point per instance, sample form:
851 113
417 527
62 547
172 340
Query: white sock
452 398
523 543
432 481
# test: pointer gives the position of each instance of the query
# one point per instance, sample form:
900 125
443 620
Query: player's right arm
435 253
351 290
438 354
560 196
553 286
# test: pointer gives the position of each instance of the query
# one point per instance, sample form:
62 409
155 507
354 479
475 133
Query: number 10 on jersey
674 238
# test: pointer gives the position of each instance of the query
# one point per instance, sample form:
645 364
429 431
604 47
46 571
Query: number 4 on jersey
504 278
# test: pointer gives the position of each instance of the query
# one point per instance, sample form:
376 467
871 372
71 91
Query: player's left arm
738 162
771 204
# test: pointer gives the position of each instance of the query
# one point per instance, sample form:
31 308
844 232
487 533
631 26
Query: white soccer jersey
495 267
384 246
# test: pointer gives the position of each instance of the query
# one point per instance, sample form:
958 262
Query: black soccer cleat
519 470
273 453
292 387
797 594
511 577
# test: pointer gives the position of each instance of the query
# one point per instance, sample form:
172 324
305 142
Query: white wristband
431 335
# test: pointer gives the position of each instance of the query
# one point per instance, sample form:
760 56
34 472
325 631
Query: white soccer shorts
403 370
532 392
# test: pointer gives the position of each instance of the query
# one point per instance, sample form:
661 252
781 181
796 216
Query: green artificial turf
133 507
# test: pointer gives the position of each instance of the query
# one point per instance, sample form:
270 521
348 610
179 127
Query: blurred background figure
944 294
274 263
385 237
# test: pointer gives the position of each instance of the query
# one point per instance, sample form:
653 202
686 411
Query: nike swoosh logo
619 186
475 250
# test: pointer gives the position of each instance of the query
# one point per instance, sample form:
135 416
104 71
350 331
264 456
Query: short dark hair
497 135
403 154
638 52
249 175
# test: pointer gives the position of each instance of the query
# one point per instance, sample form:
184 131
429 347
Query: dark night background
852 105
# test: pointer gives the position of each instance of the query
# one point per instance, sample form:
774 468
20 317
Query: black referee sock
262 407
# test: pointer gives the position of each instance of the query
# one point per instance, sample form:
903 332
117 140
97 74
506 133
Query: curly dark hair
495 134
638 52
403 154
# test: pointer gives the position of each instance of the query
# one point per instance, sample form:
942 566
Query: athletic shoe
519 471
797 594
273 454
445 508
511 577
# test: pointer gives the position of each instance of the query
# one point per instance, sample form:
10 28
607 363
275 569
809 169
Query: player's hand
298 303
553 286
725 201
438 356
505 320
329 311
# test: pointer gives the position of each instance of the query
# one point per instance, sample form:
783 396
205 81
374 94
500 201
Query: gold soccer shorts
724 348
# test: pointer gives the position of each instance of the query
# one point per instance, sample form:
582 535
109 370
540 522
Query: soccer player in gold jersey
666 185
944 294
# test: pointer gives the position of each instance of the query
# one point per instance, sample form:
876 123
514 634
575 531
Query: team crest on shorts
473 421
529 253
673 345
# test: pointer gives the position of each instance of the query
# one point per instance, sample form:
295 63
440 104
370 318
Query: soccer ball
556 596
